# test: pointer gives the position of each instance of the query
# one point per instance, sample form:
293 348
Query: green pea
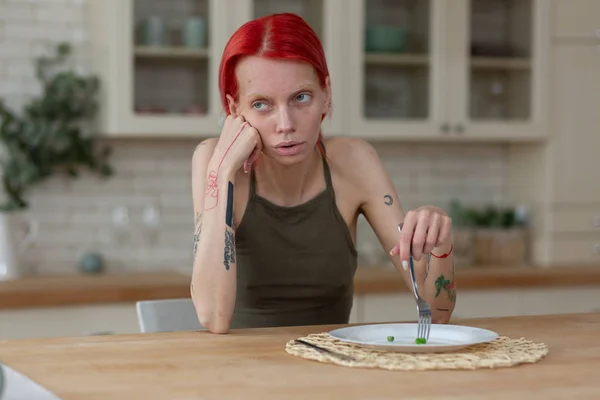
390 338
420 340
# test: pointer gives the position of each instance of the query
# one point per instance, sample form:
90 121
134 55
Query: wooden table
252 364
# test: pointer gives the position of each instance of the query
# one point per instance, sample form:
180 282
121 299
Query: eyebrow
300 88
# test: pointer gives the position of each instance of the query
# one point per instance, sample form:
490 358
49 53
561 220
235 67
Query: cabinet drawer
576 19
486 303
580 250
389 308
565 300
575 220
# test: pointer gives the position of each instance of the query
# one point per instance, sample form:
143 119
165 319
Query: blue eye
257 105
303 97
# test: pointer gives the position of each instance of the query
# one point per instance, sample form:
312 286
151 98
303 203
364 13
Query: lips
289 148
287 144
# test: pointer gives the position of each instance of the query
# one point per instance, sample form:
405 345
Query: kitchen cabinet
81 320
561 179
576 19
576 85
389 307
402 69
158 64
433 69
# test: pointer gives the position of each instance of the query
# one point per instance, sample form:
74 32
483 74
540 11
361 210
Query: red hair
279 36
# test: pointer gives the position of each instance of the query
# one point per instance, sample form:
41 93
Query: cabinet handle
459 128
445 127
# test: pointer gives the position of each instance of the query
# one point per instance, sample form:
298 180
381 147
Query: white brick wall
76 216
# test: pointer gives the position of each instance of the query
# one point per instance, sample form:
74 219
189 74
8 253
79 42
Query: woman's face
284 101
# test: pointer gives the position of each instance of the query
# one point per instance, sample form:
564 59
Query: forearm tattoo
197 232
229 249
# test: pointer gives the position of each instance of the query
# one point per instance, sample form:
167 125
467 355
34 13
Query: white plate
442 337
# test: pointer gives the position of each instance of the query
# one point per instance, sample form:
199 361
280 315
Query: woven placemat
502 352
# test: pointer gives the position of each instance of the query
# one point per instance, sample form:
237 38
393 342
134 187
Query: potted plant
499 235
52 135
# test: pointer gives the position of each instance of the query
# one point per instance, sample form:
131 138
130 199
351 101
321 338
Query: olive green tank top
295 265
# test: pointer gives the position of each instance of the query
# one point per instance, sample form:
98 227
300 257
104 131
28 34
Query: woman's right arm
214 166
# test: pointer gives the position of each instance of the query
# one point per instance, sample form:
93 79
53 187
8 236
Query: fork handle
412 278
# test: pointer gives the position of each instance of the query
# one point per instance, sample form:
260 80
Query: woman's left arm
426 230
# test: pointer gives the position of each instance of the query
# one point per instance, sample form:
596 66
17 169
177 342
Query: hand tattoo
388 200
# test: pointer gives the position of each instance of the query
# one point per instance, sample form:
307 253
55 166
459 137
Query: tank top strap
252 190
328 180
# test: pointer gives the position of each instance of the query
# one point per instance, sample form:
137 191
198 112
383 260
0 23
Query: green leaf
48 135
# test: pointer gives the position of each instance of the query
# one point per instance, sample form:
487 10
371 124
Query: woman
276 205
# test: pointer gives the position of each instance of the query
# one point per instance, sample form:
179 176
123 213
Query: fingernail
391 252
405 265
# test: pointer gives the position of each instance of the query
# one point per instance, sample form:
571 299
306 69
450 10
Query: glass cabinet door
395 67
171 57
500 53
500 76
310 10
396 59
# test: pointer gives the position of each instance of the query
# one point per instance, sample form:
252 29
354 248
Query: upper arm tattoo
388 200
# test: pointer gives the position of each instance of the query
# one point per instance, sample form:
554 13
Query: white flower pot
17 234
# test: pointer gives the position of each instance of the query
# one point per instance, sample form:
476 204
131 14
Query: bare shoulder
354 157
358 166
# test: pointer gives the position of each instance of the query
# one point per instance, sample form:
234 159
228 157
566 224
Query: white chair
167 315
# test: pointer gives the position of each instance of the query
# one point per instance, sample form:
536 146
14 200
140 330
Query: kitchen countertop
59 290
252 364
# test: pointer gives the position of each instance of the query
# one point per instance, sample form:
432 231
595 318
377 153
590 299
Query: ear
327 96
232 104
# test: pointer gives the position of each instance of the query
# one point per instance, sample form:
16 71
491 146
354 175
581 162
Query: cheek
310 118
261 123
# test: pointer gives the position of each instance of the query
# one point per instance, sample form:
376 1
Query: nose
285 123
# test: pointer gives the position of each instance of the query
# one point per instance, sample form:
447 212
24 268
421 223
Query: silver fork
424 322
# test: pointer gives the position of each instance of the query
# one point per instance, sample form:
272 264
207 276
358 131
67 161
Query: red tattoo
212 187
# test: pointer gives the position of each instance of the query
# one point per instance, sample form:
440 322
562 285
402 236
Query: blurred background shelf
170 52
508 63
396 59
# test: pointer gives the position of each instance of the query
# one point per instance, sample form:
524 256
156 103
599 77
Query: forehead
268 76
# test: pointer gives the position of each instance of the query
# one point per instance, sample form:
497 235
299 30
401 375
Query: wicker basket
501 245
463 240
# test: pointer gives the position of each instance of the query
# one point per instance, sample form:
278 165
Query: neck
289 185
